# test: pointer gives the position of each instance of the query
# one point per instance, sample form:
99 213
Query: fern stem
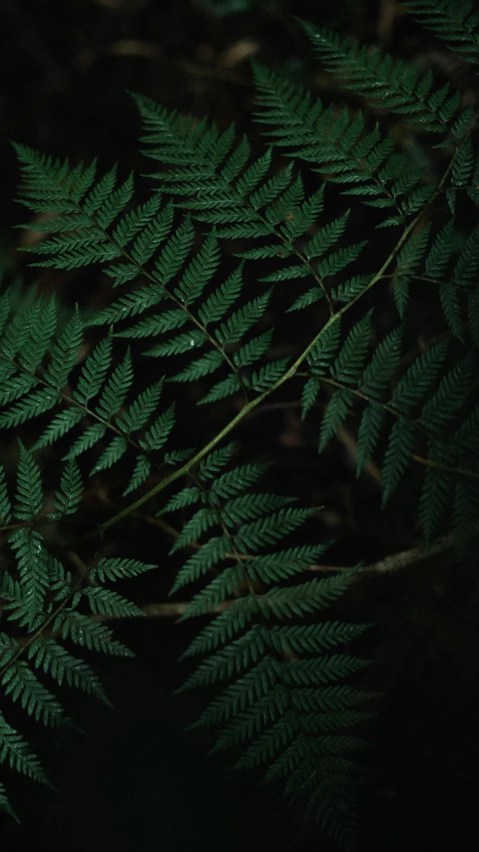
252 404
460 471
181 471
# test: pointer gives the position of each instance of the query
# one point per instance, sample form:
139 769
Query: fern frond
50 657
68 498
250 206
88 634
336 145
437 488
99 392
21 684
392 83
281 671
41 601
273 695
118 569
5 805
15 751
106 602
456 23
407 260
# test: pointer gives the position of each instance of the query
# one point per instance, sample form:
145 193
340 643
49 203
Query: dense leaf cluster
278 666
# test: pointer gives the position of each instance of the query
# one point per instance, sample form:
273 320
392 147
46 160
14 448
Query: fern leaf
307 597
241 320
449 396
100 192
202 521
118 569
149 326
267 376
212 552
215 461
94 372
174 253
185 497
182 343
383 364
226 585
20 328
21 684
159 431
322 352
222 389
116 389
473 317
88 439
5 502
199 272
234 481
418 378
440 251
368 433
314 294
334 142
338 260
309 395
14 387
289 273
16 752
111 454
29 492
274 187
35 347
327 236
215 307
64 352
173 457
203 366
53 659
273 567
314 638
336 414
455 23
139 412
390 82
232 659
106 602
408 259
435 494
33 405
249 507
139 475
397 457
152 235
135 221
113 204
89 634
350 361
68 498
5 805
467 265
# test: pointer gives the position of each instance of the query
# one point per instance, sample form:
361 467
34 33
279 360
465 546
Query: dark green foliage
284 678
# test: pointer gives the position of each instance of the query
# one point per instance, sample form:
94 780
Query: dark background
137 780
